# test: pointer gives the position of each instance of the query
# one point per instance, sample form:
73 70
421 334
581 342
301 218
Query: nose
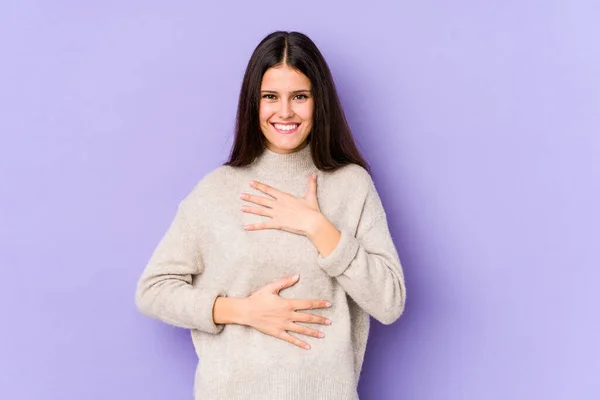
285 111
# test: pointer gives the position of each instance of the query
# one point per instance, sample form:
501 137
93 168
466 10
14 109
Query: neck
297 163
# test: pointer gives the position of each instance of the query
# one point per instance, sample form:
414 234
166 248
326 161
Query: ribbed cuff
205 302
339 260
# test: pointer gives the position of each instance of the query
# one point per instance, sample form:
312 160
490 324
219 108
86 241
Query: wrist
230 310
324 235
243 311
314 225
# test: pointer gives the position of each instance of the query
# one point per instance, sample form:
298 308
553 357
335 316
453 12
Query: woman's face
286 108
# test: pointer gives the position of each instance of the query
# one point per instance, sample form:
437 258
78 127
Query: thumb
281 284
311 194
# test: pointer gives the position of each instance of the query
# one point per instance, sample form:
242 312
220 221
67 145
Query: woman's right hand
275 316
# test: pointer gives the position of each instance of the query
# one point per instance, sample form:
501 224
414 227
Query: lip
286 132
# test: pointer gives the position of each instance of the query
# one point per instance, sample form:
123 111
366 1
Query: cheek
265 112
306 112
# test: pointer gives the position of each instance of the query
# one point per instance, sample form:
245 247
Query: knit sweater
206 253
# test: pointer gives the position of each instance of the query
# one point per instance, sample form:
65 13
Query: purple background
482 124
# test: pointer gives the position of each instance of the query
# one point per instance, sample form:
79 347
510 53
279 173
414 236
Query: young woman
276 259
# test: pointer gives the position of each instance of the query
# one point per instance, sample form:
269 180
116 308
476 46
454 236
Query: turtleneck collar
296 164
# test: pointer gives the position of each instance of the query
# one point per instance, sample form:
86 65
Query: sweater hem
274 386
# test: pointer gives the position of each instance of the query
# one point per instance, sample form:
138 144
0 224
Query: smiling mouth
285 128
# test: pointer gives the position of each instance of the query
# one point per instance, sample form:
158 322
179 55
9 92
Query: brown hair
331 141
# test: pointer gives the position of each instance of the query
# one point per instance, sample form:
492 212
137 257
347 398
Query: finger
304 330
309 304
260 226
267 212
310 318
258 200
271 191
281 284
293 340
312 187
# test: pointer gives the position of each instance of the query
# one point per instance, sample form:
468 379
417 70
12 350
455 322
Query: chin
285 146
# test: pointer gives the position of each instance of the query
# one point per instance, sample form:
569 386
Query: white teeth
285 127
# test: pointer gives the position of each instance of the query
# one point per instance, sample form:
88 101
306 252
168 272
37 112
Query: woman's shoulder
352 180
351 174
352 170
213 182
219 176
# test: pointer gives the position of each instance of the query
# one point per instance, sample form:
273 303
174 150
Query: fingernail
321 334
327 322
307 347
327 304
295 277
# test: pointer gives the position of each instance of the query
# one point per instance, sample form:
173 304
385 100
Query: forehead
284 78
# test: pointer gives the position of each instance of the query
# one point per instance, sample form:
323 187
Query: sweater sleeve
367 265
165 290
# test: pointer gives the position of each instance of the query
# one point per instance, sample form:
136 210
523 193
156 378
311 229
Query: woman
225 268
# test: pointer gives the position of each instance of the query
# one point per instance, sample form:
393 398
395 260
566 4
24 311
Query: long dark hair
331 141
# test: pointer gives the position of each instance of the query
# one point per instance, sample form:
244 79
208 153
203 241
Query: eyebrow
294 92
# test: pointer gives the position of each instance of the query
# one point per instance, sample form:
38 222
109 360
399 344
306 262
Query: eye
268 96
301 97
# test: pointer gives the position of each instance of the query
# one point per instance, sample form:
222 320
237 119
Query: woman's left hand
287 212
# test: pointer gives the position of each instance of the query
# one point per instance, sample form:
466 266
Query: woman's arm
165 291
367 266
229 310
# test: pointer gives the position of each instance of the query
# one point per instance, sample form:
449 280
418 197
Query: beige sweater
206 253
